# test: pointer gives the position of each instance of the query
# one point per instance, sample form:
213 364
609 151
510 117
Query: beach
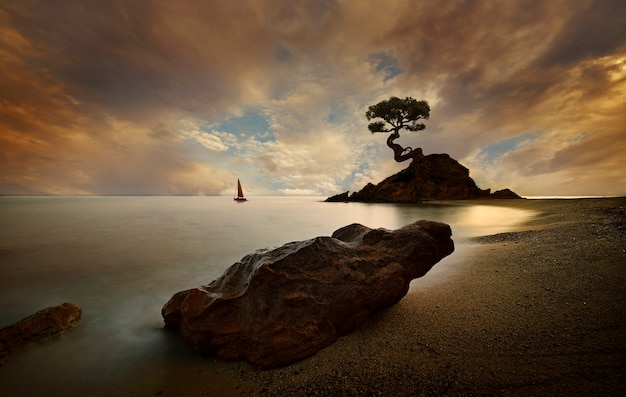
538 311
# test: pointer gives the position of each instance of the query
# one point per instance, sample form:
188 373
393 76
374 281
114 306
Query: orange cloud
97 97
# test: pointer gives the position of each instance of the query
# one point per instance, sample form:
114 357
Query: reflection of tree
398 114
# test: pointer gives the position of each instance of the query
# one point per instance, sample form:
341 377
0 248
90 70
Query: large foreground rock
277 306
41 326
432 177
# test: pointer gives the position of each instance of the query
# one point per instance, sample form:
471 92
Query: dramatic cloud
161 97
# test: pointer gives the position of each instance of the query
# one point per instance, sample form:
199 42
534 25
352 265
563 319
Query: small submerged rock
277 306
39 327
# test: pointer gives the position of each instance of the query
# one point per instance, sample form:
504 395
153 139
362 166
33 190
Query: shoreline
536 311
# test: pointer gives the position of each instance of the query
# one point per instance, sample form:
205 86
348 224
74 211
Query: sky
183 97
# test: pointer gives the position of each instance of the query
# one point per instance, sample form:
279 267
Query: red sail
239 190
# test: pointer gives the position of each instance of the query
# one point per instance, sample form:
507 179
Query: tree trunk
401 154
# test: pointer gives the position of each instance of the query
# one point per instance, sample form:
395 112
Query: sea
121 259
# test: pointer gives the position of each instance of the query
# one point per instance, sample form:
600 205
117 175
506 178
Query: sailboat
240 196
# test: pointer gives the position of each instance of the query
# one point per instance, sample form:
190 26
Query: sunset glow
177 98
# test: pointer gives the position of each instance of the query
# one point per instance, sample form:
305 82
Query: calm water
122 258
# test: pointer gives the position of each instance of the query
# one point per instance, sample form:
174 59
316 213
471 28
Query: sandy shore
538 311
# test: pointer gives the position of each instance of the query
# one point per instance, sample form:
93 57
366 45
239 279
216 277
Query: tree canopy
398 114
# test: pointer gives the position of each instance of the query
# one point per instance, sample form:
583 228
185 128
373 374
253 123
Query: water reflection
465 219
121 259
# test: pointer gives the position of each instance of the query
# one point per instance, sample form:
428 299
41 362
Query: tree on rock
398 114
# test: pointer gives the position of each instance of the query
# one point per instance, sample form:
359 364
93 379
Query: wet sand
537 311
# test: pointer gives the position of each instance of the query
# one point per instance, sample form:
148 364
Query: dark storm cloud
500 61
595 29
134 57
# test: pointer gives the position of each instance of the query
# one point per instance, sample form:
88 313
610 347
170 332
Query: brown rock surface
45 324
277 306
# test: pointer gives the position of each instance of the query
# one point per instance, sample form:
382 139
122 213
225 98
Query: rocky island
432 177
